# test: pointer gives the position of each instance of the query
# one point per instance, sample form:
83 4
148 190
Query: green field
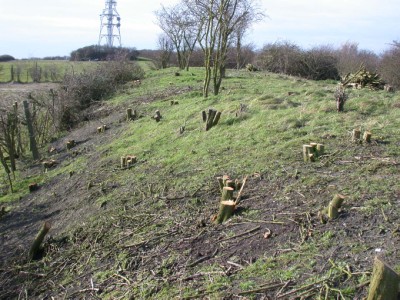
146 232
51 70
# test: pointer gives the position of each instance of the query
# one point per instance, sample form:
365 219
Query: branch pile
363 78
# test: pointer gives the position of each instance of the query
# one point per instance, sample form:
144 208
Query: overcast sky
40 28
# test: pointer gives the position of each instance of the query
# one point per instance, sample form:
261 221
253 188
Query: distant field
24 71
45 70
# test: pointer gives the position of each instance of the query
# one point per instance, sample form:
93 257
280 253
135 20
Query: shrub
280 57
6 57
390 66
319 64
350 59
79 91
284 57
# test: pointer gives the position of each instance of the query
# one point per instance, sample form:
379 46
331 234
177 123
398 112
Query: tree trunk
384 282
32 140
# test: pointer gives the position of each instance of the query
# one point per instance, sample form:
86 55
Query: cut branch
36 246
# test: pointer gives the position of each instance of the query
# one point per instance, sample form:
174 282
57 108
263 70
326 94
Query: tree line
210 33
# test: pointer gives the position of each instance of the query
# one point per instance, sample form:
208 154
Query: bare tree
166 48
351 58
217 21
178 24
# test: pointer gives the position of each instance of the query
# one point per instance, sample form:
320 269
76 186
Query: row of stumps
356 136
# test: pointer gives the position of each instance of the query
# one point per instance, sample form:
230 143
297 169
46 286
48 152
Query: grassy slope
145 241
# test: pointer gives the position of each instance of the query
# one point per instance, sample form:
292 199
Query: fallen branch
311 285
261 289
203 274
241 234
204 258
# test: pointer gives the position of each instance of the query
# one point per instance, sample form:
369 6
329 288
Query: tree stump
307 151
226 210
123 162
356 135
384 282
130 114
320 149
128 161
367 136
71 144
211 119
334 206
34 252
157 116
312 151
33 187
204 116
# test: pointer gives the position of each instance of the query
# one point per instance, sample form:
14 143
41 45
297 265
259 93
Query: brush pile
363 78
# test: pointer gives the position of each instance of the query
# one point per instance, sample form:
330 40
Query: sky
41 28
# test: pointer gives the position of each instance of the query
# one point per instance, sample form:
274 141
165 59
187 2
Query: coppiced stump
384 282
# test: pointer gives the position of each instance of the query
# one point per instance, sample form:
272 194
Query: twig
241 234
282 288
84 291
234 264
204 258
261 221
124 278
262 289
239 196
203 274
32 274
301 289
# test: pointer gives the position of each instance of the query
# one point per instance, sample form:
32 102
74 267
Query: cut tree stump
384 282
128 161
102 129
334 206
33 187
226 210
356 135
70 144
312 151
157 116
367 136
307 149
211 119
35 250
131 114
